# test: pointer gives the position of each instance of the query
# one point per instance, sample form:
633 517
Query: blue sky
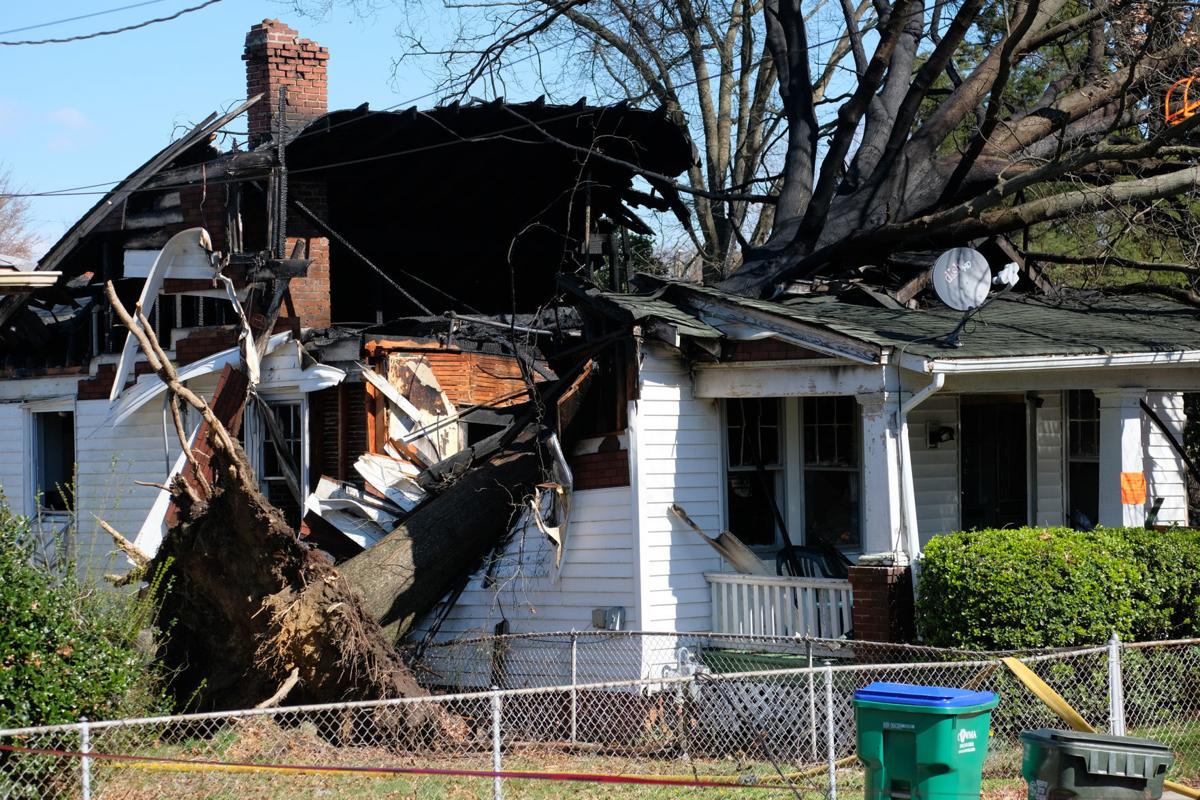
85 112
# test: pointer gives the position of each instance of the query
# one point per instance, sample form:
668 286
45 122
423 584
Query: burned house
384 264
455 397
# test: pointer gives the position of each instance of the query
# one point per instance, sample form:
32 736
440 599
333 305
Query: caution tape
200 765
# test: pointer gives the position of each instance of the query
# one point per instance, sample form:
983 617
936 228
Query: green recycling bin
1059 765
922 742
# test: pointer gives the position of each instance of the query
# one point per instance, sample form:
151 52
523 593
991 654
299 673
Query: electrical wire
83 36
80 16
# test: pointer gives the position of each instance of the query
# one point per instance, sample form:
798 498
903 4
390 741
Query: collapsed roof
465 190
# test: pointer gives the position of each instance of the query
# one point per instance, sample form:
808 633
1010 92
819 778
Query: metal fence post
681 669
812 699
574 692
1116 689
497 781
829 731
85 763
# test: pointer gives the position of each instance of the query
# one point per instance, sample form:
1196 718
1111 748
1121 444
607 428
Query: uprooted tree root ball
247 603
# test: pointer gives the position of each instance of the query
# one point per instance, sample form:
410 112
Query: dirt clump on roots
244 603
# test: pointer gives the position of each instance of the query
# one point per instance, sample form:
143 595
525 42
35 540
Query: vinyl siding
677 460
1051 492
12 455
1165 471
598 571
109 461
935 469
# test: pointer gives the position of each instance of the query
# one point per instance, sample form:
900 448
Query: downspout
908 495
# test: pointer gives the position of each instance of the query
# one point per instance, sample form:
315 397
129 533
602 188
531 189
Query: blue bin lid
907 694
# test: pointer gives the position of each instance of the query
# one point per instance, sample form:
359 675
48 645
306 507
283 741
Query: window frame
778 469
856 447
32 477
791 469
1070 458
255 438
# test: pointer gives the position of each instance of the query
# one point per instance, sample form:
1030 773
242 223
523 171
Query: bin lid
907 694
1095 740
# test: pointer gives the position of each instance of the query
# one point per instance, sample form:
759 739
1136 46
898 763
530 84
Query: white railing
765 605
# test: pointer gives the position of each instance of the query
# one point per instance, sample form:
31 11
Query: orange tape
1133 488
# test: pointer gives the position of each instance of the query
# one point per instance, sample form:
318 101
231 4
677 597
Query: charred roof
456 194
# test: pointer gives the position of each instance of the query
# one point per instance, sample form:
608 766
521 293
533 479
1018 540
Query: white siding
935 469
108 462
598 571
1165 471
1051 494
13 458
677 459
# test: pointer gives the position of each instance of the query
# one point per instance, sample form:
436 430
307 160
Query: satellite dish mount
962 280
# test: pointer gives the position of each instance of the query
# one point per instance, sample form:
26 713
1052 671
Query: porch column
881 475
1122 481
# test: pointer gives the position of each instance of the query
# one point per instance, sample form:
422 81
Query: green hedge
1055 587
66 650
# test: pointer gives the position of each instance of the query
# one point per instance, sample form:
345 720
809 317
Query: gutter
1057 362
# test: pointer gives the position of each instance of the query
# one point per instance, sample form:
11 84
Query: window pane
830 431
831 507
751 517
1084 491
752 432
1083 425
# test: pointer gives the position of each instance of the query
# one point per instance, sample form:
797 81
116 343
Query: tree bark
407 573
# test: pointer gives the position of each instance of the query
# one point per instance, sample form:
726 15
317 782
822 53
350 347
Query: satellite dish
962 278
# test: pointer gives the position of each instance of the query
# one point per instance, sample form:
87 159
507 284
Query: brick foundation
883 603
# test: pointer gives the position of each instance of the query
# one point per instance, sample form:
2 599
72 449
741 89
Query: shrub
1169 595
65 651
1012 589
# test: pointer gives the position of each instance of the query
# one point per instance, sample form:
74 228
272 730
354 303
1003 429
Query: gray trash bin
1060 765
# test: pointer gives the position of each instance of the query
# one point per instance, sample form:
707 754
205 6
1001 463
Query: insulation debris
393 478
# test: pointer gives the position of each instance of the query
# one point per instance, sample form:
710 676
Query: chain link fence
702 725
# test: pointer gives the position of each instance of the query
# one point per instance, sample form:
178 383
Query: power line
112 32
76 191
79 17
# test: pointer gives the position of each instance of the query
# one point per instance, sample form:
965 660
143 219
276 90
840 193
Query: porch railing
764 605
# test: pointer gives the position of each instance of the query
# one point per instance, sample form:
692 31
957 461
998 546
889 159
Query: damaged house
381 285
453 399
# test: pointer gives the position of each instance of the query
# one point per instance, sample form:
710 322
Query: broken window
1083 458
831 471
754 468
53 459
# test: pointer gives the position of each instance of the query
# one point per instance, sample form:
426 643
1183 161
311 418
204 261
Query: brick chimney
275 57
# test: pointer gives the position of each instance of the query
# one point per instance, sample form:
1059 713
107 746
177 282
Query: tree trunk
408 572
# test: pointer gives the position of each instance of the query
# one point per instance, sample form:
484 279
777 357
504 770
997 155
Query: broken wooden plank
731 548
363 532
402 419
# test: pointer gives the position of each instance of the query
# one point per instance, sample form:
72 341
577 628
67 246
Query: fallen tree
407 573
245 603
